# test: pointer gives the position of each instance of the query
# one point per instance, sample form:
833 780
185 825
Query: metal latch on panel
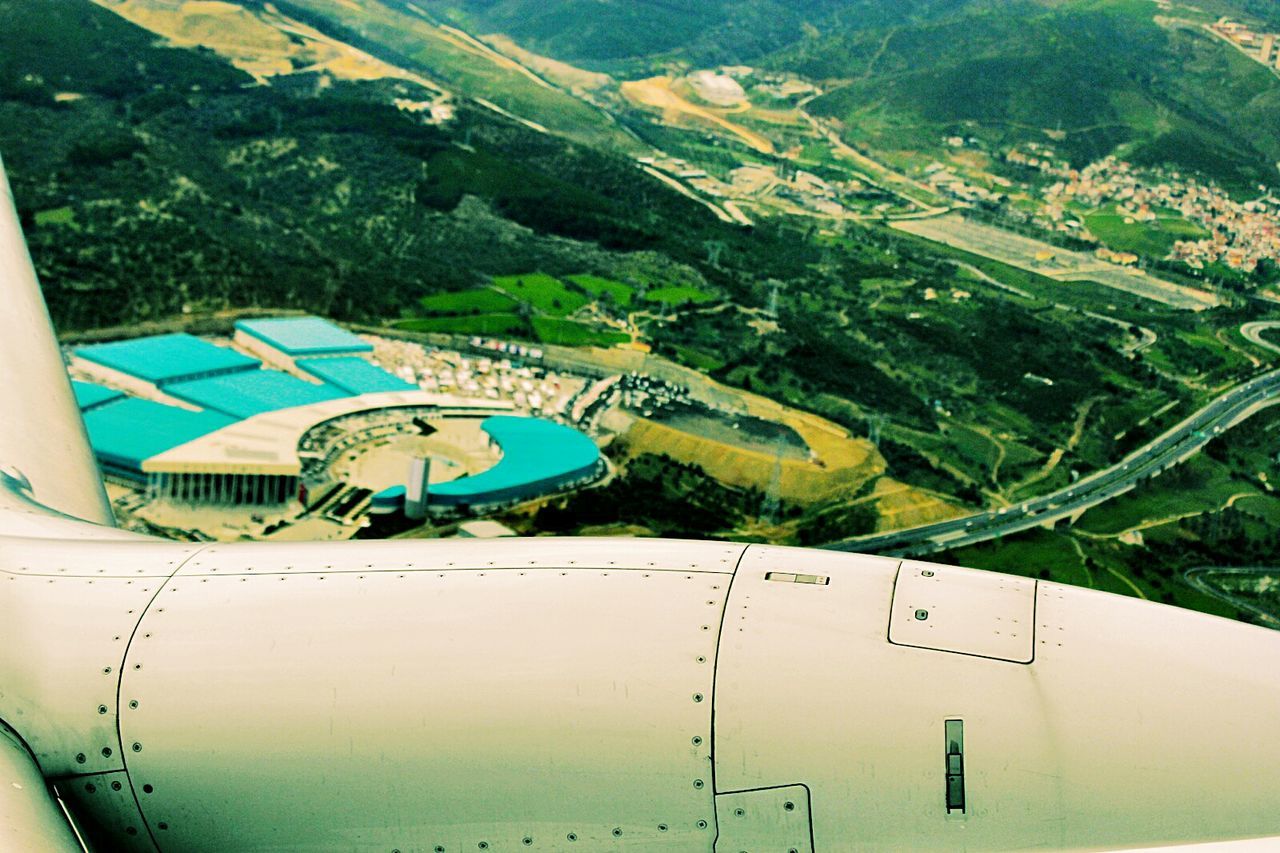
955 766
789 577
764 819
965 611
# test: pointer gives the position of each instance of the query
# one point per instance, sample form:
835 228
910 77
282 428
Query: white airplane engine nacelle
630 695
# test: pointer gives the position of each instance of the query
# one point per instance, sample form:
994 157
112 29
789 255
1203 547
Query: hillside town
1261 47
1241 235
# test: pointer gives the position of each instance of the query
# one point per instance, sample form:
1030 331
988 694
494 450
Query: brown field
844 463
901 506
560 73
258 44
657 93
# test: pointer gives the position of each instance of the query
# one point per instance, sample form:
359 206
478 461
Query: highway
1178 444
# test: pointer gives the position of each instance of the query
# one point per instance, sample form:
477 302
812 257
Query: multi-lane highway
1174 446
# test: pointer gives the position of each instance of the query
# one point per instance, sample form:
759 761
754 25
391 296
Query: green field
546 294
1264 507
485 301
475 324
550 330
57 216
1196 486
699 359
1152 239
1043 554
597 286
570 334
675 296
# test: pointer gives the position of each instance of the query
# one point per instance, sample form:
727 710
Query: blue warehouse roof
538 456
167 358
243 395
128 431
303 336
90 395
354 375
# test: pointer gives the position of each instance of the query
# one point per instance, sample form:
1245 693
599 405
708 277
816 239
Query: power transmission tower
775 287
714 249
874 423
773 497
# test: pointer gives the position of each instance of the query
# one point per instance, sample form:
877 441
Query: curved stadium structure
191 421
538 457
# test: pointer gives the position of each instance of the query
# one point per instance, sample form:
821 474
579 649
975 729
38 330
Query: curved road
1194 579
1171 448
1253 333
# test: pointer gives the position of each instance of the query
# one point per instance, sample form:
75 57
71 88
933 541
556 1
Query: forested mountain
1100 74
153 180
1096 75
612 35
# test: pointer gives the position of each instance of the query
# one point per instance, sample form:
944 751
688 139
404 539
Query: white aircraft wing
45 460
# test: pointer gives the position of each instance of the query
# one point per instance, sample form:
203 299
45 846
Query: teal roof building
243 395
538 457
127 431
353 375
164 359
300 337
90 395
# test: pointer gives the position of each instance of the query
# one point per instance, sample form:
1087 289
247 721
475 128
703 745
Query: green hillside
152 180
609 35
1092 75
403 34
1089 76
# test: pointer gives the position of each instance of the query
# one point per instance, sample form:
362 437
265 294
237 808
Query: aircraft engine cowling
650 695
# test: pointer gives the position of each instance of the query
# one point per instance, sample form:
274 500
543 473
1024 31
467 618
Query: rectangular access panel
964 611
764 819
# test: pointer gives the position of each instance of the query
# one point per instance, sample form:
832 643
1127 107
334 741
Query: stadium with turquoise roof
235 423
